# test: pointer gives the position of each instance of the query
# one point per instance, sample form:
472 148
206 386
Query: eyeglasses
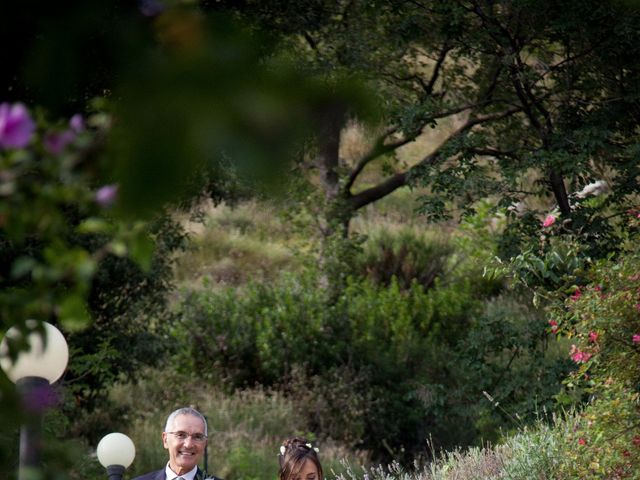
196 437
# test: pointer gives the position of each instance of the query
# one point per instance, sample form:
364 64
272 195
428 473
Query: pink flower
16 126
638 306
548 221
56 142
582 441
636 338
76 123
593 337
107 195
554 325
636 440
579 356
576 295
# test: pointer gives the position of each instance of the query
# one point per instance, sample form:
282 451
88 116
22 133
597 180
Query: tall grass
231 245
531 454
408 255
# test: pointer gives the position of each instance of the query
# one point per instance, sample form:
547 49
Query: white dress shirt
170 474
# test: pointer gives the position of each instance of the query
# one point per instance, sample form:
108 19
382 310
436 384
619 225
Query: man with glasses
185 437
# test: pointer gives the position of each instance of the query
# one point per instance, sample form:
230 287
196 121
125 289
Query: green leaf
94 225
118 248
73 313
85 269
141 250
22 266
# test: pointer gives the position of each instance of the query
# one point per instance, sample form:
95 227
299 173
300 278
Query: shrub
508 355
268 332
335 404
602 319
382 367
407 256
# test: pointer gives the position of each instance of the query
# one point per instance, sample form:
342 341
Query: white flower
282 449
595 188
308 445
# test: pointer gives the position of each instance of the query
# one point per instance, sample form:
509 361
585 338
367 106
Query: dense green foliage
69 259
83 235
528 105
381 368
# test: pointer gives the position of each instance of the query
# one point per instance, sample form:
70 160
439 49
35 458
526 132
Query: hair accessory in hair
311 446
282 449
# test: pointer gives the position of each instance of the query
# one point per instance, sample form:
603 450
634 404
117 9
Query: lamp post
115 452
33 371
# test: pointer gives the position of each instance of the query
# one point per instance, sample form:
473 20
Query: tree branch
398 180
494 152
380 147
444 51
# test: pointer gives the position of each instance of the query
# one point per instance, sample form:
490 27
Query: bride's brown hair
293 453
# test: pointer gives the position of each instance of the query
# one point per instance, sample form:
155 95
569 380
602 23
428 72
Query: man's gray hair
185 411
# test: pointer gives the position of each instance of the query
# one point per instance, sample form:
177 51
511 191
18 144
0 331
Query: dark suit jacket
159 475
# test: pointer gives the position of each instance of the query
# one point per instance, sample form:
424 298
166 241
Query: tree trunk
335 252
560 193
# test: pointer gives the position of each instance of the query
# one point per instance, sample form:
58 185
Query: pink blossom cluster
634 212
548 221
635 338
554 326
576 295
578 355
17 129
56 141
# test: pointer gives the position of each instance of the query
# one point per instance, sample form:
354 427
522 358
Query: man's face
184 454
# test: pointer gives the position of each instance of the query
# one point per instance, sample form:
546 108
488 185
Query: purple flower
151 8
40 398
16 126
77 123
106 196
55 142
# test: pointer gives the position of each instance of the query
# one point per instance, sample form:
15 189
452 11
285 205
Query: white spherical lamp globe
116 449
46 358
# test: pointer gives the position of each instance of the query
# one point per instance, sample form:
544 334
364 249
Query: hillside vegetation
389 367
405 230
